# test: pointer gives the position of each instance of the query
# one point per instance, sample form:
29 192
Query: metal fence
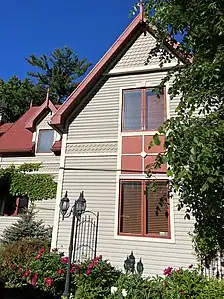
213 267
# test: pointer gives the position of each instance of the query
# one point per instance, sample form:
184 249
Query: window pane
156 214
45 141
131 202
132 118
154 115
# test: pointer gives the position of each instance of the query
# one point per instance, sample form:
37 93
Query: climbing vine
21 180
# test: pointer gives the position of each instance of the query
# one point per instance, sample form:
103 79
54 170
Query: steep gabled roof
59 117
137 25
18 138
47 105
4 128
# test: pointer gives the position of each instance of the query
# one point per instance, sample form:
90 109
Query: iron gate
86 233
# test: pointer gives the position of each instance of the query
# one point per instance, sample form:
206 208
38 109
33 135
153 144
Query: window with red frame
12 205
142 110
144 211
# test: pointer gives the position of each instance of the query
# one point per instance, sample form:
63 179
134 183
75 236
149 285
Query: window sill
147 239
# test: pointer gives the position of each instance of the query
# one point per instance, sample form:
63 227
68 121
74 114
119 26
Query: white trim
59 193
141 177
145 68
167 86
91 155
146 239
139 133
37 140
77 141
119 149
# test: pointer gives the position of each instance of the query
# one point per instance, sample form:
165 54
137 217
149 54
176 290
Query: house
106 126
30 140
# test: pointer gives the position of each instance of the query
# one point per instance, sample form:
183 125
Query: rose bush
94 279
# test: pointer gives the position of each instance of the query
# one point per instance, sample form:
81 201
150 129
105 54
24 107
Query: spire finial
47 96
141 9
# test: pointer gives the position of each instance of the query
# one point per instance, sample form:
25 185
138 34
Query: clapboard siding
99 119
100 193
96 173
50 165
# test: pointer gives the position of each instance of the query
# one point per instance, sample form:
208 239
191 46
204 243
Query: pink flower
88 272
48 281
90 266
168 271
38 256
34 280
60 271
41 250
26 273
64 260
181 292
72 270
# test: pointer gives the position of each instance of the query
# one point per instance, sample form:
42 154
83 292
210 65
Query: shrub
181 283
94 279
132 286
26 227
15 255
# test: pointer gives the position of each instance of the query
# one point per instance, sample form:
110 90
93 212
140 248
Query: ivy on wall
21 180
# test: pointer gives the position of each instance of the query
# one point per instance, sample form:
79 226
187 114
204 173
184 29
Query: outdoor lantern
64 205
140 267
80 205
127 265
132 262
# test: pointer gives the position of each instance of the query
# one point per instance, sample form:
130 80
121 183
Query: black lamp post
77 209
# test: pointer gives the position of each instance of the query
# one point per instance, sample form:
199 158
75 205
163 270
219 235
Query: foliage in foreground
97 278
194 145
20 181
26 227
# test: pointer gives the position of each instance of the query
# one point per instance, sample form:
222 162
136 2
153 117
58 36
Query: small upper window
45 141
143 110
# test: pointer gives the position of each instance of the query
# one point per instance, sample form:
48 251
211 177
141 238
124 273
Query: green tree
59 71
194 144
26 227
16 96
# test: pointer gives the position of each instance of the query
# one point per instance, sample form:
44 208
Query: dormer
31 134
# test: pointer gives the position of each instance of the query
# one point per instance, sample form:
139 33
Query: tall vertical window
45 141
144 212
142 110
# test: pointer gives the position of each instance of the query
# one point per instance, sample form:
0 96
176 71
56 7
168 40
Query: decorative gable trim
47 105
138 25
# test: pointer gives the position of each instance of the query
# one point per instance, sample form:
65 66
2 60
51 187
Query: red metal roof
4 128
137 24
59 117
17 138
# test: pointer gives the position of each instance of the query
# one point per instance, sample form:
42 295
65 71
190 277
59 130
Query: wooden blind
156 214
131 203
154 111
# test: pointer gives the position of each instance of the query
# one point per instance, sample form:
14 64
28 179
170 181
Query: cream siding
94 127
49 164
91 165
138 53
99 119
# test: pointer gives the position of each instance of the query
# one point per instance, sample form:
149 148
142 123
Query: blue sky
39 26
